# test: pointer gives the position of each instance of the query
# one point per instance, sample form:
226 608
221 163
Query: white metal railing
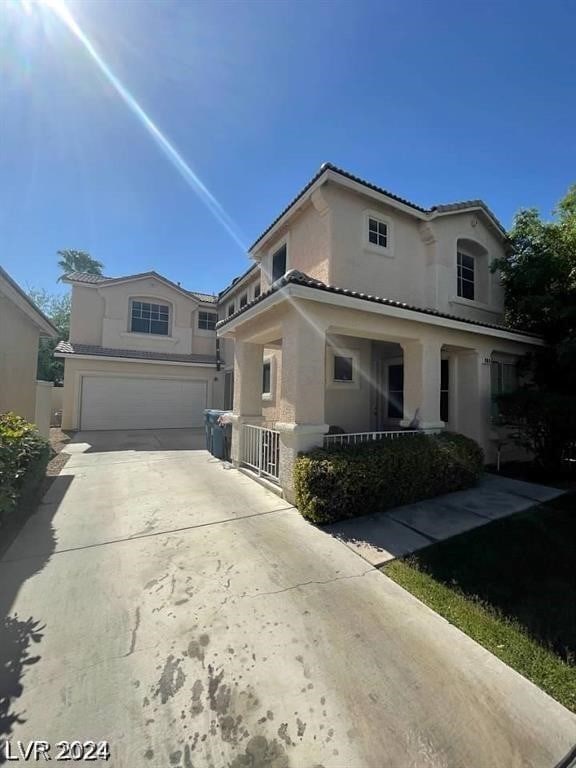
353 438
260 450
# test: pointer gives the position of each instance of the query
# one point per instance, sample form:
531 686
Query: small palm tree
78 261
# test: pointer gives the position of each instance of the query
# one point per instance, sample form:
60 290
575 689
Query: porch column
474 391
422 360
302 391
247 391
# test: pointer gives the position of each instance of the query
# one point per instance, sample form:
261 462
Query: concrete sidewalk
384 536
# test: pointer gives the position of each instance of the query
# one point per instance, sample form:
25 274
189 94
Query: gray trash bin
214 432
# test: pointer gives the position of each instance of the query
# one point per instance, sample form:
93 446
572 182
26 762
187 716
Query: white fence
353 438
260 450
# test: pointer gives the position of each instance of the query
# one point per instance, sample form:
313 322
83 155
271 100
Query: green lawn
510 585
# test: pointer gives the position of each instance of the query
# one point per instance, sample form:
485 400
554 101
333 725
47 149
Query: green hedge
342 482
23 458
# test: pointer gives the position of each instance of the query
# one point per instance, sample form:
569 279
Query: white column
422 383
474 392
247 391
302 391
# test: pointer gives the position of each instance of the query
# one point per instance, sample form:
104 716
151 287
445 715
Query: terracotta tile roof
294 277
331 167
84 277
67 348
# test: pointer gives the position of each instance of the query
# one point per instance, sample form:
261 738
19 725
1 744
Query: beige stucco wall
43 408
18 360
441 274
327 240
308 243
74 369
350 407
101 316
86 315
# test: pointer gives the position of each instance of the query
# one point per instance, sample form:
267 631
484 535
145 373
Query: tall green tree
57 308
539 276
78 261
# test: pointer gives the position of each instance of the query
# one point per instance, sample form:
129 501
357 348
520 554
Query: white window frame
271 361
228 312
373 247
205 331
336 383
462 252
243 300
150 300
266 264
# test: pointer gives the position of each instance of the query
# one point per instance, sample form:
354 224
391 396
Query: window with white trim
230 309
146 317
257 290
243 300
343 368
207 320
466 271
377 232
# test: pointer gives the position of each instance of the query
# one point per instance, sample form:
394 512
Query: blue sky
436 101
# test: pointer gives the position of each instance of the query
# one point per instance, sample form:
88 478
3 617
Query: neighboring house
21 326
142 354
362 311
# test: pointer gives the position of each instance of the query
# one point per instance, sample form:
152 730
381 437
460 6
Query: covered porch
312 373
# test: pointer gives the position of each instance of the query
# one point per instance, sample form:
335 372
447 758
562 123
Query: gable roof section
237 281
84 277
424 213
294 277
20 299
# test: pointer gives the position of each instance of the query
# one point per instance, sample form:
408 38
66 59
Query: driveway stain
171 680
262 753
134 633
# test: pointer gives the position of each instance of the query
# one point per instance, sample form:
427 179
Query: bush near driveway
24 455
347 481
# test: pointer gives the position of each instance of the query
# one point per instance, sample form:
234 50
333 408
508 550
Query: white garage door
130 402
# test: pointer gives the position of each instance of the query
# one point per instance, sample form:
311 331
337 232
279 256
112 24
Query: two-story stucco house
362 311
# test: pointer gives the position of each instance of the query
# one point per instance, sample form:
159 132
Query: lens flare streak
60 9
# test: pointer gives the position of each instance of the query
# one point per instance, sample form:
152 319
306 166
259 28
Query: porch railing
353 438
260 450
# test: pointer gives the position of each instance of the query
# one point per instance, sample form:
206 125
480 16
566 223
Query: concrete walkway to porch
386 535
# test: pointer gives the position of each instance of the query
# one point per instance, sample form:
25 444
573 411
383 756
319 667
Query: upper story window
207 320
243 300
377 232
466 275
151 318
279 263
231 309
257 290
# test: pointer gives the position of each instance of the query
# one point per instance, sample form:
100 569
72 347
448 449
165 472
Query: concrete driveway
171 606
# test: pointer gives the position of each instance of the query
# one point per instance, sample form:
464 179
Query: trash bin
214 433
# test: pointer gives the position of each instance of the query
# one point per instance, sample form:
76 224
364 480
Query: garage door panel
130 402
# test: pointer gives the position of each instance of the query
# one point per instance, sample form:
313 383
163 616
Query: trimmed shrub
23 458
341 482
